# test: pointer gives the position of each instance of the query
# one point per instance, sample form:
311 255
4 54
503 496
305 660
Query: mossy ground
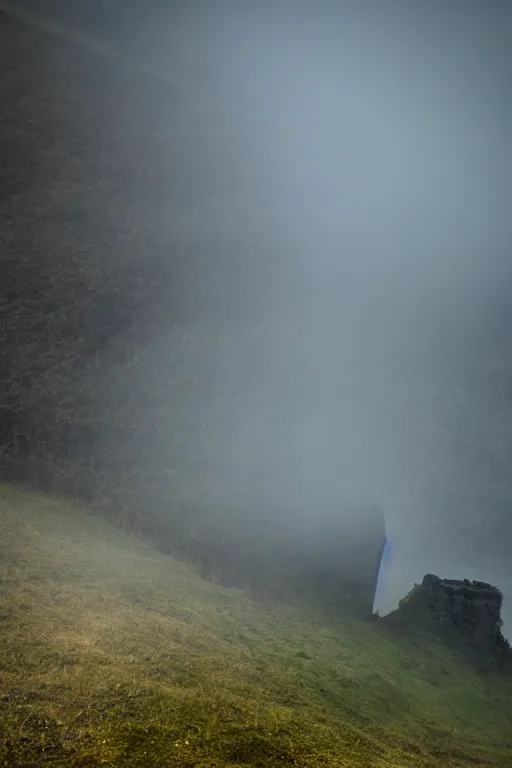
113 654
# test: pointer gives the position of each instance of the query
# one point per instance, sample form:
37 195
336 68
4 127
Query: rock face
468 612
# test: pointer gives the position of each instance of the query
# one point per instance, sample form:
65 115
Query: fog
350 334
362 164
362 161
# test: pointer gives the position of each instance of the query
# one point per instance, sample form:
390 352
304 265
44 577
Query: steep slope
113 654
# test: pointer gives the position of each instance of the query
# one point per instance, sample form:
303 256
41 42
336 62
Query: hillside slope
113 654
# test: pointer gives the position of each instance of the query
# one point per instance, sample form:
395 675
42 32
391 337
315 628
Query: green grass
113 654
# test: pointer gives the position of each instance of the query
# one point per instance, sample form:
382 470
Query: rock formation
465 612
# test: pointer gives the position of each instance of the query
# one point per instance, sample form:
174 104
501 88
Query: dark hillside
89 283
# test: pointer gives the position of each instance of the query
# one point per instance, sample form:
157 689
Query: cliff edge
463 613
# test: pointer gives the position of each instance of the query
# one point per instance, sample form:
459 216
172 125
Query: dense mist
365 155
334 182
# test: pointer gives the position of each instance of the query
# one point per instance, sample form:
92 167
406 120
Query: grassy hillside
113 654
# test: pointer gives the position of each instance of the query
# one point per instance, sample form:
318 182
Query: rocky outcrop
467 612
